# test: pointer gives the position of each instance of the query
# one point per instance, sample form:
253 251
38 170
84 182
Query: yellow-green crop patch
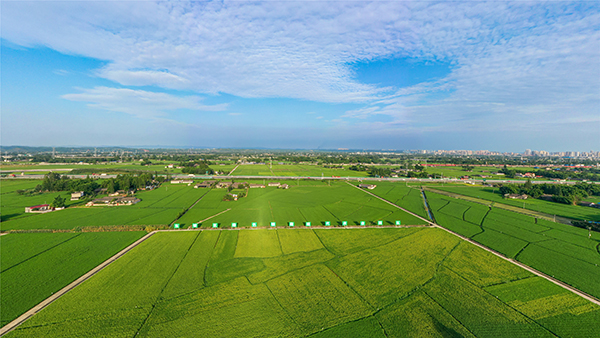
298 240
254 243
419 282
317 298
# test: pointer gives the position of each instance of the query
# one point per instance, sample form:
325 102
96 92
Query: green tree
59 202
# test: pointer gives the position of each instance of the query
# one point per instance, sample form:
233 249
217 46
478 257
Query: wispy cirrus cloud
140 103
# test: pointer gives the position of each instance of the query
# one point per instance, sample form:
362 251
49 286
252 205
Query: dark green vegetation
562 251
561 193
552 208
35 265
305 201
410 282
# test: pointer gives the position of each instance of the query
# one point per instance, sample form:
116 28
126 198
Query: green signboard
176 225
215 225
363 223
254 224
344 223
195 225
291 224
234 225
398 223
273 224
379 222
307 224
327 223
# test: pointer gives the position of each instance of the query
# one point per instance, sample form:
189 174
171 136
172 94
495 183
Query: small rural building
516 196
274 184
128 200
238 185
257 186
101 201
367 186
223 185
587 204
284 186
182 181
42 208
77 195
112 201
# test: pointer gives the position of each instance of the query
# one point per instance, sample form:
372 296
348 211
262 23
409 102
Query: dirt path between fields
232 170
12 325
526 267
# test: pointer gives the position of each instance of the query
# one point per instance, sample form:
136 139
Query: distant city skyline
505 76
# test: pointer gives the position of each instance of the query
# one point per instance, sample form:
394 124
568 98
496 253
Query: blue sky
503 76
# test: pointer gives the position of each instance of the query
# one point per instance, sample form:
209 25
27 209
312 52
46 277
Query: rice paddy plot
190 273
210 312
414 258
559 310
252 243
575 272
36 274
298 240
316 298
420 316
548 207
505 244
351 241
363 328
277 266
481 267
408 282
18 248
480 312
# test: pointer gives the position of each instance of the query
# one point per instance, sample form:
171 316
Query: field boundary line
232 170
41 252
22 318
215 215
522 265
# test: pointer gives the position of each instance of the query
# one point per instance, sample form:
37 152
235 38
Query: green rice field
393 282
302 170
552 208
35 265
565 252
315 203
159 207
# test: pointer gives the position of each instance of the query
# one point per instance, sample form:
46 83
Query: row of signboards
274 224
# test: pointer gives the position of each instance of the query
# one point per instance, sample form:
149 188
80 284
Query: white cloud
513 63
140 103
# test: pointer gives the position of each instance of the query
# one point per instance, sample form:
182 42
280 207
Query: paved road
370 179
526 267
12 325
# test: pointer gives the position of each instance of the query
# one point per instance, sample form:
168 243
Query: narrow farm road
232 170
12 325
526 267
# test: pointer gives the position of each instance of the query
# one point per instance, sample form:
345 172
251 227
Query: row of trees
590 174
197 167
568 194
57 182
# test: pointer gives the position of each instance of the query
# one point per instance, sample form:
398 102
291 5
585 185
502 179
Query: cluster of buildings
540 153
113 201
